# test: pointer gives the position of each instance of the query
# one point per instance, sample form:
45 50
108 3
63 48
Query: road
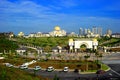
112 61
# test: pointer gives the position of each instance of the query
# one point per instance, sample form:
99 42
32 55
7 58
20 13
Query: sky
43 15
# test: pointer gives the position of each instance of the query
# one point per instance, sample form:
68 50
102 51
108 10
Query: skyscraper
99 31
109 32
94 30
85 31
81 32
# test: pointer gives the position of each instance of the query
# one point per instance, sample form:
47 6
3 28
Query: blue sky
43 15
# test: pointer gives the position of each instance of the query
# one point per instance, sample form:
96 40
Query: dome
94 40
20 34
57 28
70 40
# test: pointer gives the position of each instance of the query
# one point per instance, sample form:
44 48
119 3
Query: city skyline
71 15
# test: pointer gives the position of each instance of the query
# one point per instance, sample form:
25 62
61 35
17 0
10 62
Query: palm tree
86 59
26 54
47 56
100 56
35 55
97 54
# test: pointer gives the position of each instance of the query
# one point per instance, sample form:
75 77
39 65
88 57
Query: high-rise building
99 31
81 32
109 32
85 31
94 30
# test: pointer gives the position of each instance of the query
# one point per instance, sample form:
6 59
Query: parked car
100 72
33 61
50 69
8 65
23 67
76 70
37 68
66 69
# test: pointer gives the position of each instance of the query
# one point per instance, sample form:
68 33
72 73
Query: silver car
37 68
8 65
23 67
50 69
66 69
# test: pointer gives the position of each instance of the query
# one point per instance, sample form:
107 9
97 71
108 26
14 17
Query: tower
109 32
85 31
81 32
100 31
95 44
94 30
71 44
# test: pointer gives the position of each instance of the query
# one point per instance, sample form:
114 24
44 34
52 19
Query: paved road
110 75
112 61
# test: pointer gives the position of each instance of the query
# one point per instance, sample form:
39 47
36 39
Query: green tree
100 56
48 55
86 59
35 55
47 49
26 54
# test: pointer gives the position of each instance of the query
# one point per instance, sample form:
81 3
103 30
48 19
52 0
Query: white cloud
27 13
25 7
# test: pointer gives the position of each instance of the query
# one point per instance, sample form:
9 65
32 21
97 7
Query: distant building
81 32
85 31
109 32
100 31
72 34
7 34
57 32
20 34
94 30
39 34
116 35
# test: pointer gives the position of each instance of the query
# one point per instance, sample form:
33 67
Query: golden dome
57 28
20 34
70 40
94 40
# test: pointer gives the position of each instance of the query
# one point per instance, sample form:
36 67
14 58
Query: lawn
58 64
72 64
17 74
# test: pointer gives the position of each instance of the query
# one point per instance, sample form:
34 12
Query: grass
17 74
104 67
59 64
81 65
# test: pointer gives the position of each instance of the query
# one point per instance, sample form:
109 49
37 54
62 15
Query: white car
23 67
66 69
50 69
8 65
37 68
33 61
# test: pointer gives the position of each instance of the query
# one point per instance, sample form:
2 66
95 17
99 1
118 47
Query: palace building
57 32
76 44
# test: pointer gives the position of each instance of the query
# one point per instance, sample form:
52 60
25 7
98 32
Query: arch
84 43
83 46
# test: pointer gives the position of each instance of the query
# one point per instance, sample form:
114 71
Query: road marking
115 72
